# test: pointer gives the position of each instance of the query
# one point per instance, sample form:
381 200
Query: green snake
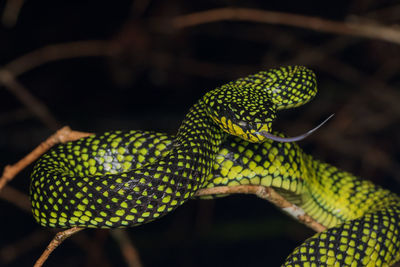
123 179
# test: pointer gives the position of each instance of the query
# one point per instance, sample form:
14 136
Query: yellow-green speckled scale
122 179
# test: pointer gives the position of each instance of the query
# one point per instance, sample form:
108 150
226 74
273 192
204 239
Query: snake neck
198 140
199 131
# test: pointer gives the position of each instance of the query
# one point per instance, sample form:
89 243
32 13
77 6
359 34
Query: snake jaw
294 138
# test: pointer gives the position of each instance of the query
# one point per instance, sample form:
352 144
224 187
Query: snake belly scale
122 179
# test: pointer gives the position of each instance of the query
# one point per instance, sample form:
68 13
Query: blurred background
141 64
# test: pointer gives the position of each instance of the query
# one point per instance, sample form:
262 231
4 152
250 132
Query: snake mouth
294 138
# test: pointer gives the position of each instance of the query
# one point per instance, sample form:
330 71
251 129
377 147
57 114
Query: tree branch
57 240
266 193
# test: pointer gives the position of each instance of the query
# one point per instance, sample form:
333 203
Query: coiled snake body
122 179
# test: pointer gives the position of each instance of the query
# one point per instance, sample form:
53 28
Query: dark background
147 77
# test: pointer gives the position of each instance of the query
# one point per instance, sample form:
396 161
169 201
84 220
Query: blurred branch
58 52
11 12
129 251
366 30
16 197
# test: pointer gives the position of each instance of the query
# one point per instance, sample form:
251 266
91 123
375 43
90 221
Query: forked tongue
294 138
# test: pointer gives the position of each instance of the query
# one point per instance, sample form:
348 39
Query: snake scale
123 179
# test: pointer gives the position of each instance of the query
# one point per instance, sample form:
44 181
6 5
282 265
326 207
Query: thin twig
128 250
269 194
57 240
65 134
366 30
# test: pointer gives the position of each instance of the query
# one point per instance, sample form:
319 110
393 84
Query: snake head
247 107
241 111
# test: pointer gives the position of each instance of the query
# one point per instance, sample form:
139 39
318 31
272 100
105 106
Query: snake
121 179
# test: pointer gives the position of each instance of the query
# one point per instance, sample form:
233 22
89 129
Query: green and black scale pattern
122 179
